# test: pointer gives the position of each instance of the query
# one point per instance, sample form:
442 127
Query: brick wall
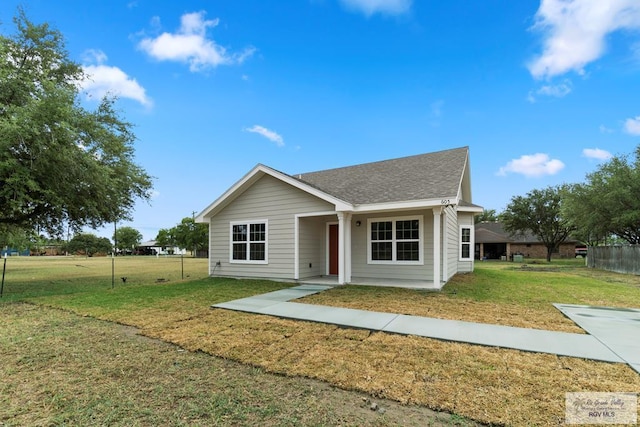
538 250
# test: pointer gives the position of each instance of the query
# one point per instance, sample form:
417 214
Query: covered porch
332 248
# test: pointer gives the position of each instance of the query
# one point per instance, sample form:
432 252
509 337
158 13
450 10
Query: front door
333 249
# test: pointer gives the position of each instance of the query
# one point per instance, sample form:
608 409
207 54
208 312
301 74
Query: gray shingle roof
494 232
425 176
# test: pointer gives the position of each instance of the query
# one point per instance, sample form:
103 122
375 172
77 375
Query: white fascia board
462 175
473 208
224 198
407 205
252 176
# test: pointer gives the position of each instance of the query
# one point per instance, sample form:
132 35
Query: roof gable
254 175
438 175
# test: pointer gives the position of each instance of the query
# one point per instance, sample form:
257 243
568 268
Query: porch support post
436 246
344 247
296 248
347 247
445 246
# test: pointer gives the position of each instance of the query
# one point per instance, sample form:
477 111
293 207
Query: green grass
27 277
566 281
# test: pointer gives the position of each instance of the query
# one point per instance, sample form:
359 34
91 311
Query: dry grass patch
445 306
491 385
61 369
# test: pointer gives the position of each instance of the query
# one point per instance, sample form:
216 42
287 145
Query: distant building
493 242
151 247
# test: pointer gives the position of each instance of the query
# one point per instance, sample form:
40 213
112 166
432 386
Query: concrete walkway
535 340
616 328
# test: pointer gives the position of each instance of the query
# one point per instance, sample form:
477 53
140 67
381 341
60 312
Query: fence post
4 267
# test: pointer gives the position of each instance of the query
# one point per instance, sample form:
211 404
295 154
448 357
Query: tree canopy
60 164
609 201
487 215
539 213
165 237
88 244
127 238
186 235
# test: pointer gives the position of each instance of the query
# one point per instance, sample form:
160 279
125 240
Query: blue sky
541 92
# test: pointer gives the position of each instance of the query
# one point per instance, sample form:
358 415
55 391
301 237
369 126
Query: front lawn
491 385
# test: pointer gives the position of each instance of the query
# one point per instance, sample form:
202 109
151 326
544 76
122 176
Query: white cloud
267 133
532 165
191 45
632 126
596 153
604 129
385 7
102 80
574 32
559 90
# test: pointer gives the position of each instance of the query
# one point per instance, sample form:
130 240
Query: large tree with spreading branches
60 163
608 203
540 213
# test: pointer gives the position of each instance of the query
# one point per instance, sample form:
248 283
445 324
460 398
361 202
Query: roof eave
404 205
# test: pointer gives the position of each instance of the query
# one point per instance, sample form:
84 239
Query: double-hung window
395 240
249 242
466 242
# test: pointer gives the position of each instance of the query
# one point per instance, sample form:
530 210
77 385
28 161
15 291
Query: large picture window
466 243
249 242
395 240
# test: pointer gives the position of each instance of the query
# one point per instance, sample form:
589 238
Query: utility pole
193 231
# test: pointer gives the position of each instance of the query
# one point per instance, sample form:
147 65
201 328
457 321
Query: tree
487 215
191 235
88 244
165 238
609 201
580 207
60 164
539 213
127 238
15 238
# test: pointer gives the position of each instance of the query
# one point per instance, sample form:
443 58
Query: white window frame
394 241
248 223
471 243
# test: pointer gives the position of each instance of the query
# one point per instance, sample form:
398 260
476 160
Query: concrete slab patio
561 343
617 328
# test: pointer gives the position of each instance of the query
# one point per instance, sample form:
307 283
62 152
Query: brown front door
333 249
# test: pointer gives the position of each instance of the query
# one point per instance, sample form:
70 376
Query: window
466 243
395 240
249 242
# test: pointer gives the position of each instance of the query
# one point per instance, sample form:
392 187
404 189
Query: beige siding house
402 219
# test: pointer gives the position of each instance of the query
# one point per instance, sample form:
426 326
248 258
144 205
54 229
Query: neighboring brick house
493 242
